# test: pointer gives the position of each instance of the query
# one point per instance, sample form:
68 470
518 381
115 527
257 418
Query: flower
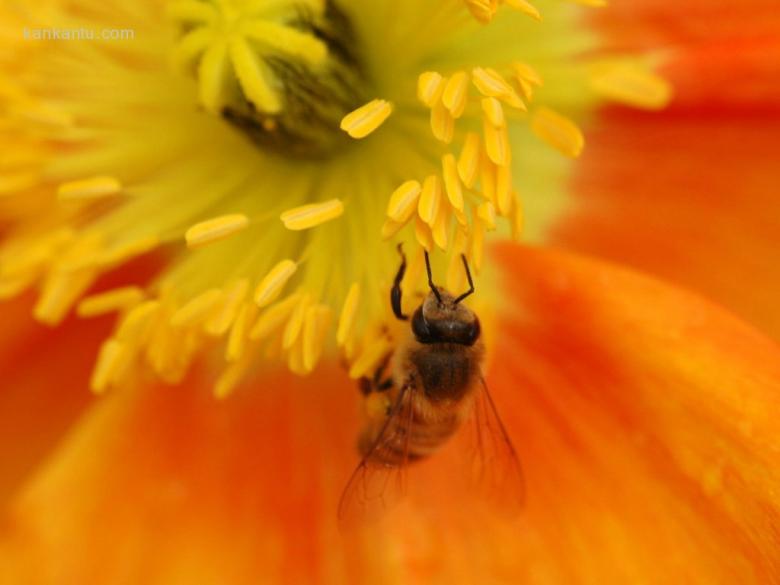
253 157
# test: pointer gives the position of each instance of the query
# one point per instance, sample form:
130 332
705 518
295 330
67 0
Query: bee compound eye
420 327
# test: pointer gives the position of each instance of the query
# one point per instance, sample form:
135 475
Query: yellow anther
118 299
558 131
272 285
313 215
494 112
109 359
487 213
295 324
430 200
213 230
403 202
92 188
315 328
496 143
348 314
197 309
237 337
504 190
370 357
455 94
423 234
367 118
525 8
452 183
468 163
274 317
631 84
442 123
222 317
430 86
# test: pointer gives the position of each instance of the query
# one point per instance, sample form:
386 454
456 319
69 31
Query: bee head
442 319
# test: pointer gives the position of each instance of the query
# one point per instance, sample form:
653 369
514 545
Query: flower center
275 236
284 72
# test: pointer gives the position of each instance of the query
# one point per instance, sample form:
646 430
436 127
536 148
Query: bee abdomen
410 441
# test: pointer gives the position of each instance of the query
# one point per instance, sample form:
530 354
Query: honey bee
434 386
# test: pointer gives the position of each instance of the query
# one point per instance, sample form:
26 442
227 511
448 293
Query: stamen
468 163
238 332
631 84
363 121
487 213
197 309
274 317
109 359
93 188
309 216
370 357
118 299
430 200
454 97
271 286
225 311
295 324
430 86
525 8
315 329
558 131
452 182
214 230
348 313
403 202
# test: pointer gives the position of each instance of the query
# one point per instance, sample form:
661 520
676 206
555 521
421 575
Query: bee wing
375 486
495 467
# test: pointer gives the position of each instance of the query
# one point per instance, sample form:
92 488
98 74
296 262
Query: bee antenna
468 276
430 278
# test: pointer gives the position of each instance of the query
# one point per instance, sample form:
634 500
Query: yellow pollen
490 83
525 8
558 131
423 234
494 113
430 200
93 188
430 86
118 299
295 324
230 378
238 332
225 312
197 309
391 228
468 163
487 213
348 313
274 317
60 292
452 183
108 361
213 230
366 118
440 228
370 357
504 190
631 84
135 326
442 123
312 215
315 328
403 202
271 286
455 94
496 143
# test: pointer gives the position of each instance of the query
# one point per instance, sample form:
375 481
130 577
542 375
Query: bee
434 386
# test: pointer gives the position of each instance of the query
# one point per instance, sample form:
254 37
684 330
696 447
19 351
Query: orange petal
694 201
644 418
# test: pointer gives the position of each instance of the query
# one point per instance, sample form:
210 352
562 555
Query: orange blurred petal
644 417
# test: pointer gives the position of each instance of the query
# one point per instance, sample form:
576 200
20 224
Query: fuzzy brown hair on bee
433 386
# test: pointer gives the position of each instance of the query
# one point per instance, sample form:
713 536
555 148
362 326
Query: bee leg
395 292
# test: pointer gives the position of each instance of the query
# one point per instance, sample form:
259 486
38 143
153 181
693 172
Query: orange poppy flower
172 167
